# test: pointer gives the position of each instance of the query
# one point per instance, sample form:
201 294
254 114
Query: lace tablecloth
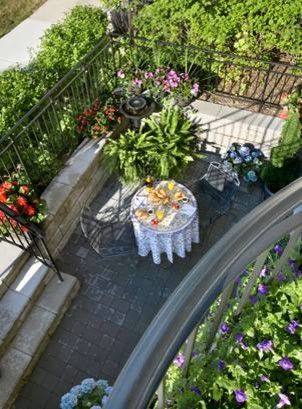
174 234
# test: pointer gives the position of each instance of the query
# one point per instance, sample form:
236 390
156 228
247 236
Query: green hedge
258 28
62 46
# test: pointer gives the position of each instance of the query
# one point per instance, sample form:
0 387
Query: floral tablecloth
175 232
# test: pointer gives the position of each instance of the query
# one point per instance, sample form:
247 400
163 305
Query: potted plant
21 199
245 160
89 394
284 165
163 147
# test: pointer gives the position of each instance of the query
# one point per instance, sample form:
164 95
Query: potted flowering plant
163 82
245 159
22 200
99 119
89 394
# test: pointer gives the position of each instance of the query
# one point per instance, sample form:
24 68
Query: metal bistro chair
222 184
109 233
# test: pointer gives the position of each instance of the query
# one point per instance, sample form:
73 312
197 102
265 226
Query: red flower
30 211
24 229
13 208
24 189
283 114
3 197
21 201
2 217
7 186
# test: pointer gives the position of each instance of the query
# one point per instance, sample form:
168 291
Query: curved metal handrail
190 301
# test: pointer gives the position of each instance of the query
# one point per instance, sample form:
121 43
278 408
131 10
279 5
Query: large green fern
163 148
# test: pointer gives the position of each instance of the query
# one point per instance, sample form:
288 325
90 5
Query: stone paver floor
118 298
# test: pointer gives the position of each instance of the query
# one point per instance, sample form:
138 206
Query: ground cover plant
256 358
12 12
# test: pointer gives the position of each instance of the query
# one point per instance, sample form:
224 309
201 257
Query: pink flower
284 400
121 74
195 89
148 75
137 82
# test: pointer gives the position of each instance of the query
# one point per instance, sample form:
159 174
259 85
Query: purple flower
179 360
264 272
293 326
221 364
264 378
286 363
262 289
278 249
195 390
244 345
284 400
195 353
281 277
240 395
265 346
120 74
253 299
224 328
239 338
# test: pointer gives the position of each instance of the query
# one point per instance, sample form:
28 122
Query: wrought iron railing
215 275
19 232
39 143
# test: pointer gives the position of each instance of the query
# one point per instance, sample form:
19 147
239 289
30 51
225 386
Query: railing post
189 346
213 327
161 395
252 281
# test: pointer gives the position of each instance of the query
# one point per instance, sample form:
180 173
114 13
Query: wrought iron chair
222 184
109 232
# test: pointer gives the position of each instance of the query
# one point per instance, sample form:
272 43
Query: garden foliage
259 28
62 46
257 360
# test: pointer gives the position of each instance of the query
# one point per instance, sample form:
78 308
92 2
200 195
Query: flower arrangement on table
22 200
99 119
245 159
159 83
90 394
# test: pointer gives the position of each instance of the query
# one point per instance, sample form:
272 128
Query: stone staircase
32 303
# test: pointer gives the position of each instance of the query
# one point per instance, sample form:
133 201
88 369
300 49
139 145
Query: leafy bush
258 28
163 148
62 46
277 178
256 361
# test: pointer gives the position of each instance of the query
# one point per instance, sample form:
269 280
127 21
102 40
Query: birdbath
136 108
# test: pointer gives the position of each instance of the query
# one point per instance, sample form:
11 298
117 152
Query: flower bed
256 362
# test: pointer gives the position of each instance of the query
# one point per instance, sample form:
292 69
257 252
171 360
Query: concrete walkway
17 46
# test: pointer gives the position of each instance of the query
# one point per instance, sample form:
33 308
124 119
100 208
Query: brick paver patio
118 298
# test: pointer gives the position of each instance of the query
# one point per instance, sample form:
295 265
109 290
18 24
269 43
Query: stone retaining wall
78 182
222 125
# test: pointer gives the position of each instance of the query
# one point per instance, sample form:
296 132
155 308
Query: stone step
19 298
12 259
33 336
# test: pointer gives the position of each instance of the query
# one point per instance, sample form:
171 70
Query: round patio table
175 233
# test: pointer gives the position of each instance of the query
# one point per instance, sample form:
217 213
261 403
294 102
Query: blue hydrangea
105 400
244 151
102 383
87 385
237 161
76 390
68 401
250 176
108 390
248 158
233 155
